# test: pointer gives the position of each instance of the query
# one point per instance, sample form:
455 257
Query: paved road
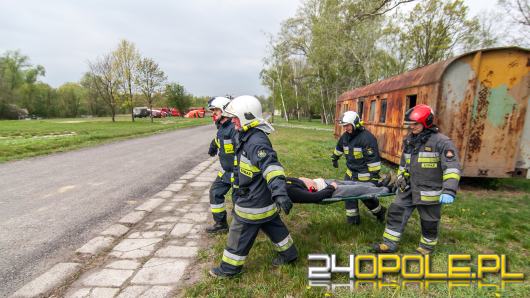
52 205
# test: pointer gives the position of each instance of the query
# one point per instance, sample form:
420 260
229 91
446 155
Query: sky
211 47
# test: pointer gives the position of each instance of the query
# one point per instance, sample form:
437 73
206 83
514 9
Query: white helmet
351 117
248 109
219 103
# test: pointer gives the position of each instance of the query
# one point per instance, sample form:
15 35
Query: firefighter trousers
218 190
399 213
352 206
241 237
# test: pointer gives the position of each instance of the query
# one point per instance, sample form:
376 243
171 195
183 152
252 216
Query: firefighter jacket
362 154
259 178
430 161
225 141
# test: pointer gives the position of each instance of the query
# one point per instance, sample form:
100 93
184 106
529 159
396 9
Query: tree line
114 83
331 46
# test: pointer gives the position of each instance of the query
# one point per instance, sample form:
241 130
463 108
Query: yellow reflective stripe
220 174
233 259
246 166
428 159
428 242
451 176
256 216
363 178
250 125
273 174
284 244
217 143
407 160
232 179
391 237
374 169
337 152
349 173
358 154
430 198
229 148
218 210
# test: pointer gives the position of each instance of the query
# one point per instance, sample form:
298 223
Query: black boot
218 273
384 247
279 260
218 227
354 220
381 214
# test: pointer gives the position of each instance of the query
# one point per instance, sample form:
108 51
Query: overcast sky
212 47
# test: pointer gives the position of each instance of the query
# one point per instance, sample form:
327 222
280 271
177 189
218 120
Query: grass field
480 221
20 139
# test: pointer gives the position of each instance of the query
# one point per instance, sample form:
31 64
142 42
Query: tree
519 13
176 96
126 59
149 79
434 29
105 81
71 97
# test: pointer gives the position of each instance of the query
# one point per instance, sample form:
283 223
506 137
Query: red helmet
420 114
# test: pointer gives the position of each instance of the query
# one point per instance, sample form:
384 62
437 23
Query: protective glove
213 149
335 161
446 199
402 183
284 203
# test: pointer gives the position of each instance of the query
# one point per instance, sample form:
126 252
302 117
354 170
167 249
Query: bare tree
150 79
519 12
126 58
106 81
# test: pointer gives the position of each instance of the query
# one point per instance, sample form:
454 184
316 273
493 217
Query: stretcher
365 197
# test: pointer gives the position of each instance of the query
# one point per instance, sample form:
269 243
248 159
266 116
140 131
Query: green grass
315 123
21 139
478 222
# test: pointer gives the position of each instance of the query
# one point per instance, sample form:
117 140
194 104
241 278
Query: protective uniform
259 186
430 168
224 145
363 162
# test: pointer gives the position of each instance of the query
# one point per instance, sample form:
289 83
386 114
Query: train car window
382 111
360 108
372 111
411 102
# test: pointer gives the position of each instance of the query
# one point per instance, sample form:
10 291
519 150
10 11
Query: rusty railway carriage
480 100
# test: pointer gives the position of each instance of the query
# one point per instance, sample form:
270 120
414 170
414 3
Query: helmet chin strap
250 125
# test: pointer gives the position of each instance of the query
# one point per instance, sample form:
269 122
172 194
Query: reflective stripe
390 237
246 164
337 152
376 209
256 213
428 241
428 154
352 212
233 259
235 160
451 173
407 157
217 143
363 176
393 233
358 152
346 149
228 146
401 170
227 141
428 159
430 195
284 244
220 174
273 171
349 173
374 166
217 208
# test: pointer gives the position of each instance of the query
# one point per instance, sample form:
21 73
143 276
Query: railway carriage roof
425 75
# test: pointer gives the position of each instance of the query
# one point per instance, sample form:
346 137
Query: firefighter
428 176
363 162
259 191
224 144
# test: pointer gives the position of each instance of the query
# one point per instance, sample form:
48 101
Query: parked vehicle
156 113
140 112
195 114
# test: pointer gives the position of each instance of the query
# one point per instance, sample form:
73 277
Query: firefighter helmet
218 103
421 114
351 117
247 108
